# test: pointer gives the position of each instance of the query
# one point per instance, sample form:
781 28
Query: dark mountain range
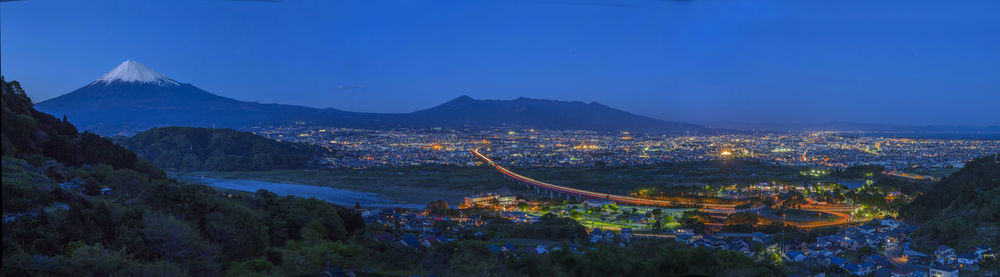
136 98
541 114
133 97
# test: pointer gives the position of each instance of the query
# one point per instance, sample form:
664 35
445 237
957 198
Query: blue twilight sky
902 62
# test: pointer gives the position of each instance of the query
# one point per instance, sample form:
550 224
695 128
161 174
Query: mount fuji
134 72
132 98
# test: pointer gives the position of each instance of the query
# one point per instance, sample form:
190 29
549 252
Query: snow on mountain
133 71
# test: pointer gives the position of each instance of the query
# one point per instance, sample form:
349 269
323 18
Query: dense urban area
529 147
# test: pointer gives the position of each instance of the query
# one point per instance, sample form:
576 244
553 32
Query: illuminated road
839 212
719 208
842 212
841 219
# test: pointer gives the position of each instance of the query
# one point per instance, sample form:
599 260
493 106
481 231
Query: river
341 197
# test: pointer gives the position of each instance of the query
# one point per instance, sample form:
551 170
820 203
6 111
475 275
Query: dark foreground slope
59 220
189 148
961 210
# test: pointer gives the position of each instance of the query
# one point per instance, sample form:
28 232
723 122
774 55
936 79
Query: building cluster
502 200
623 237
853 251
880 247
358 148
364 148
418 231
947 257
738 242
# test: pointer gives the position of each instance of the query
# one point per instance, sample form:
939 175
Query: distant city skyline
908 63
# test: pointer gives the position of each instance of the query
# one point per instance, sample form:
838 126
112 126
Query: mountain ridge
134 97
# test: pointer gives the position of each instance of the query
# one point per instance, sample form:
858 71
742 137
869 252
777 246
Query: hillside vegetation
58 222
962 210
190 148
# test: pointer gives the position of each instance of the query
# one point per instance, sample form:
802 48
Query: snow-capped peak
133 71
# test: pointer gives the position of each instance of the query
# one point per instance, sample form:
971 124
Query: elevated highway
719 210
572 192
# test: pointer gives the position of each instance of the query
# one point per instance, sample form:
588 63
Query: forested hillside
32 134
189 148
961 210
78 204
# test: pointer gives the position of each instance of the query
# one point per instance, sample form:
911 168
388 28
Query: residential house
891 223
944 255
851 268
508 248
868 229
794 256
737 245
914 256
761 238
851 231
902 272
825 241
850 242
882 272
428 240
703 243
942 271
714 241
968 261
684 238
541 249
984 252
596 235
877 260
838 262
821 256
626 234
609 236
861 269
